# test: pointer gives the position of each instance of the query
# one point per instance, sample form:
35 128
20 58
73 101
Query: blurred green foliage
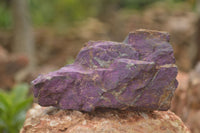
13 107
5 16
141 4
136 4
66 12
70 61
52 11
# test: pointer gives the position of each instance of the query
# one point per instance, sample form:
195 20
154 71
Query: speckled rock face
139 73
51 120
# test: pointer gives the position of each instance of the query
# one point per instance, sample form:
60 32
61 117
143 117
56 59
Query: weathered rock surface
180 22
139 74
49 119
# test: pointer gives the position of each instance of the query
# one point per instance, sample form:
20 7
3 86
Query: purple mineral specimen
139 73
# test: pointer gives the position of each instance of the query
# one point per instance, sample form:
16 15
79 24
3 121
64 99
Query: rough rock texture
180 22
138 73
48 119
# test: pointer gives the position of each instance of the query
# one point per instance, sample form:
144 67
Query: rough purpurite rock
51 120
139 73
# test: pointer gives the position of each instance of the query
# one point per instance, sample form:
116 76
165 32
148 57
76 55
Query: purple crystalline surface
139 73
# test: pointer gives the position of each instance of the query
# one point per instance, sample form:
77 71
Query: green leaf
2 124
18 120
13 107
23 105
19 93
5 101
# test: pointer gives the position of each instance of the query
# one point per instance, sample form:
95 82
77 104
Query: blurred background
37 37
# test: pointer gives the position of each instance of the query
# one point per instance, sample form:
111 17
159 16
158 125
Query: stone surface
139 74
49 119
181 23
